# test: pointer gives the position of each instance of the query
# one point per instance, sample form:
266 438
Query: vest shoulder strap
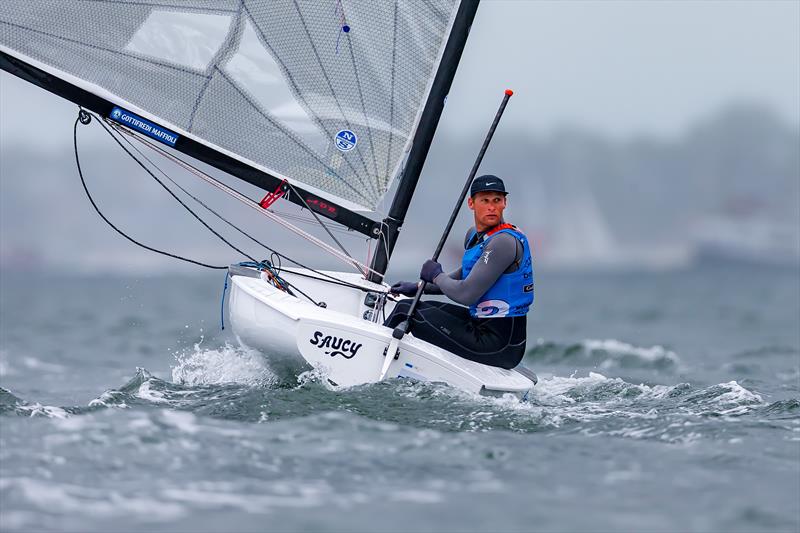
470 235
500 227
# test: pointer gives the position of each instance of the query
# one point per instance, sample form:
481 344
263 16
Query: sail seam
167 6
109 50
364 110
296 89
233 36
391 92
409 144
333 93
436 11
288 133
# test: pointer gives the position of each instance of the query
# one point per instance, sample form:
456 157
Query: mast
423 137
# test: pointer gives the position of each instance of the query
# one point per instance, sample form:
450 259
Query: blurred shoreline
728 190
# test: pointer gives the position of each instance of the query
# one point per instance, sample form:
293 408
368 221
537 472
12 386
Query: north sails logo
338 345
345 140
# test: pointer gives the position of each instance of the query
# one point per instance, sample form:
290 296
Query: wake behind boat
327 107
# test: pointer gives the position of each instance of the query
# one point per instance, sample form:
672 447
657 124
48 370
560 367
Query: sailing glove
430 270
406 288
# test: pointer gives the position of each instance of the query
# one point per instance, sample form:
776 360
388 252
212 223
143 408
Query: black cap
487 182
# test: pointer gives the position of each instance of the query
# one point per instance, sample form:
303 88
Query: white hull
295 333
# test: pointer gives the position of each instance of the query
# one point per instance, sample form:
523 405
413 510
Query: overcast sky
618 68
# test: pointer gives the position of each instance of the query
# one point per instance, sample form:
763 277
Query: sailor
494 287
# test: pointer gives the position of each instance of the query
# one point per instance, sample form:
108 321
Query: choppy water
666 402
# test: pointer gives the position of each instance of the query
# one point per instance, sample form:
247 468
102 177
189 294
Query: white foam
554 402
181 420
227 364
47 411
618 349
250 503
109 399
737 400
317 375
556 388
736 394
50 497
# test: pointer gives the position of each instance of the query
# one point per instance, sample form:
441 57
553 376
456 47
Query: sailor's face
488 207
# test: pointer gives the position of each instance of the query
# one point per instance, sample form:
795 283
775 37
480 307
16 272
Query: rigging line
289 285
290 135
189 209
337 282
363 106
115 228
310 220
321 223
231 224
163 5
391 95
299 95
253 205
330 84
386 236
170 192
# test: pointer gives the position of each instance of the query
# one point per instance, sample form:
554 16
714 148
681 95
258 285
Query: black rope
107 221
84 118
325 227
262 265
189 209
330 279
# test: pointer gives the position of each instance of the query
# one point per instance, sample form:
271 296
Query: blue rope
277 280
222 303
263 265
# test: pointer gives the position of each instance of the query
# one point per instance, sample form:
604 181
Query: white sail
326 94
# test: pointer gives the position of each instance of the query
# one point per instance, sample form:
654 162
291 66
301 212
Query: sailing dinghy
327 105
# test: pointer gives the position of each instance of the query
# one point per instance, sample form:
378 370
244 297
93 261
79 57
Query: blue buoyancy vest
512 293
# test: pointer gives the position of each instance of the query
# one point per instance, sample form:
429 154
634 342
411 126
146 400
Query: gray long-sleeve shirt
500 255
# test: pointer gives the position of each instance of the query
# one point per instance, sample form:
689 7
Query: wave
26 362
11 405
605 354
227 364
243 389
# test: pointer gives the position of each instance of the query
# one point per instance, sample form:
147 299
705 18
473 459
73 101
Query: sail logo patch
142 125
338 345
345 140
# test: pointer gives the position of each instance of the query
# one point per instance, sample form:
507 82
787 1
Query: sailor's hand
406 288
430 270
